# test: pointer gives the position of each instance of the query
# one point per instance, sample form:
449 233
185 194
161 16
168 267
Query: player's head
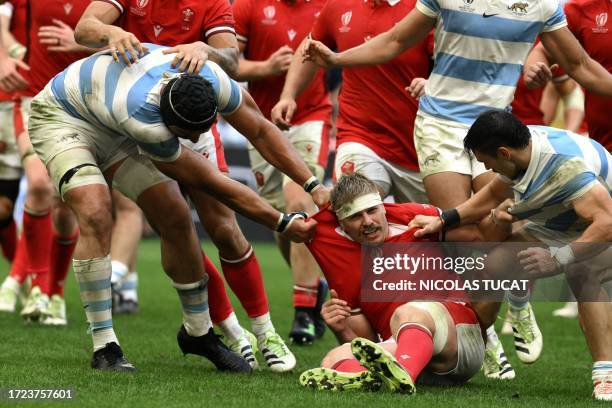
359 209
497 139
188 105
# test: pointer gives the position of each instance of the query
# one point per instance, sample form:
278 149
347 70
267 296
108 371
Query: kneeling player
438 342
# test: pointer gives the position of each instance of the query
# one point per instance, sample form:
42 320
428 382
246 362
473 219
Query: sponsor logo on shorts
348 167
259 178
601 20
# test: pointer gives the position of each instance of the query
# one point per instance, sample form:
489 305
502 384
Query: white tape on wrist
564 255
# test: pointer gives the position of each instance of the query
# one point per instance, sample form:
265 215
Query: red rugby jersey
173 22
340 259
526 104
590 21
44 65
18 30
375 110
265 26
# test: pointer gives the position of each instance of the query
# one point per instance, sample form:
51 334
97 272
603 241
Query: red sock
38 235
61 255
244 278
8 239
305 296
218 302
414 348
348 365
19 267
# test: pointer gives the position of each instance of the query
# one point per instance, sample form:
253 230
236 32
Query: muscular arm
299 76
96 25
481 203
388 45
194 170
268 140
276 64
596 207
224 51
565 49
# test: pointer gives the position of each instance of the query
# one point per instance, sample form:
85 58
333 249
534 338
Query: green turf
41 357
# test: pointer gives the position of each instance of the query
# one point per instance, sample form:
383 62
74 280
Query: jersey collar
536 148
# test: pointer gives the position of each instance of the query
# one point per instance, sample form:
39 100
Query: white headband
360 203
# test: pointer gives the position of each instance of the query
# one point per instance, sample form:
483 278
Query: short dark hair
494 129
189 102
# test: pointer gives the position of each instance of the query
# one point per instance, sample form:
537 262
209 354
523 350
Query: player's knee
40 192
409 313
336 354
298 202
226 235
176 219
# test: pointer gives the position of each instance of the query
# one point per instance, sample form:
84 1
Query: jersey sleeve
431 8
322 26
554 17
229 93
219 19
120 5
153 139
242 15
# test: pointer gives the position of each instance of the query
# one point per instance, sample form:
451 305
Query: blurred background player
12 31
50 230
185 28
268 33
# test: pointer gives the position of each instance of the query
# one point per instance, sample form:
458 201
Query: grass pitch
41 357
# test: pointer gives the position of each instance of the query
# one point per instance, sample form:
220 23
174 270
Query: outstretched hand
319 53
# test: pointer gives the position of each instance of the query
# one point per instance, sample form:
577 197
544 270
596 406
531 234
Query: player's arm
194 170
345 325
273 145
299 76
565 49
276 64
382 48
470 212
594 206
12 46
10 79
222 48
95 29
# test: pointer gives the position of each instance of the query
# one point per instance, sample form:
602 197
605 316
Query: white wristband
564 255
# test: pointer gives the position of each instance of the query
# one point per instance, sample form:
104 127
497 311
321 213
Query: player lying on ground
561 183
437 342
100 120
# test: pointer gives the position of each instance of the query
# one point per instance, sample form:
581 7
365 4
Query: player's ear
503 153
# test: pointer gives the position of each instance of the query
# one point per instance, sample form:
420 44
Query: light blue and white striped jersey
480 47
563 167
124 101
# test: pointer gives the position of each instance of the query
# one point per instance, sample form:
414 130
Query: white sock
194 300
129 287
231 328
516 303
102 337
11 284
119 271
601 369
261 325
492 339
93 276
